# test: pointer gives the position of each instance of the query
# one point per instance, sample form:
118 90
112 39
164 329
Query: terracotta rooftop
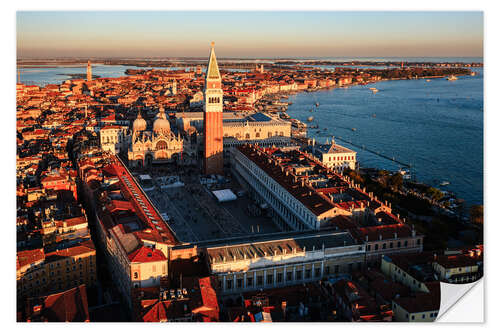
67 306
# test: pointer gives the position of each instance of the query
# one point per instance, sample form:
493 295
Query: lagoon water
55 75
435 126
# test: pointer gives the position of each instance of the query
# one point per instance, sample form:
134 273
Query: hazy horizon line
240 57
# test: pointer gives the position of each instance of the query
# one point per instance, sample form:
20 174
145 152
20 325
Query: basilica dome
161 124
139 124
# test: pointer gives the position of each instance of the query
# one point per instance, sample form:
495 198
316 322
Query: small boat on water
353 129
444 183
373 89
451 78
427 80
317 104
405 173
311 118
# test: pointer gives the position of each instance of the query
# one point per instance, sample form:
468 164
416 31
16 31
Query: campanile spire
89 71
212 117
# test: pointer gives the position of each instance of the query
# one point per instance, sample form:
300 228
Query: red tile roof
28 257
67 306
383 232
146 254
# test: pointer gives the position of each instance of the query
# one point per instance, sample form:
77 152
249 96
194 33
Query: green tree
434 193
476 214
396 180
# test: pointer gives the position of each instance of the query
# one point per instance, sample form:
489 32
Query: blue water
42 76
435 126
46 75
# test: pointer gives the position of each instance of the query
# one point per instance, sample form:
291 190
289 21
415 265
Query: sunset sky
249 34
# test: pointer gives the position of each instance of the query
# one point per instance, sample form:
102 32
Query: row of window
257 135
391 245
52 286
214 100
341 158
431 315
279 277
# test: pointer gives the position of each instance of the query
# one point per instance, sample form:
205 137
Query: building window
368 247
423 316
391 245
136 275
269 279
308 273
249 282
317 272
327 269
412 317
279 277
376 247
336 269
399 244
239 283
418 241
260 280
229 284
288 276
298 275
406 243
383 246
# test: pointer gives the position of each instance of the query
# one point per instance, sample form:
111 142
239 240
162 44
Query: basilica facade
160 145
